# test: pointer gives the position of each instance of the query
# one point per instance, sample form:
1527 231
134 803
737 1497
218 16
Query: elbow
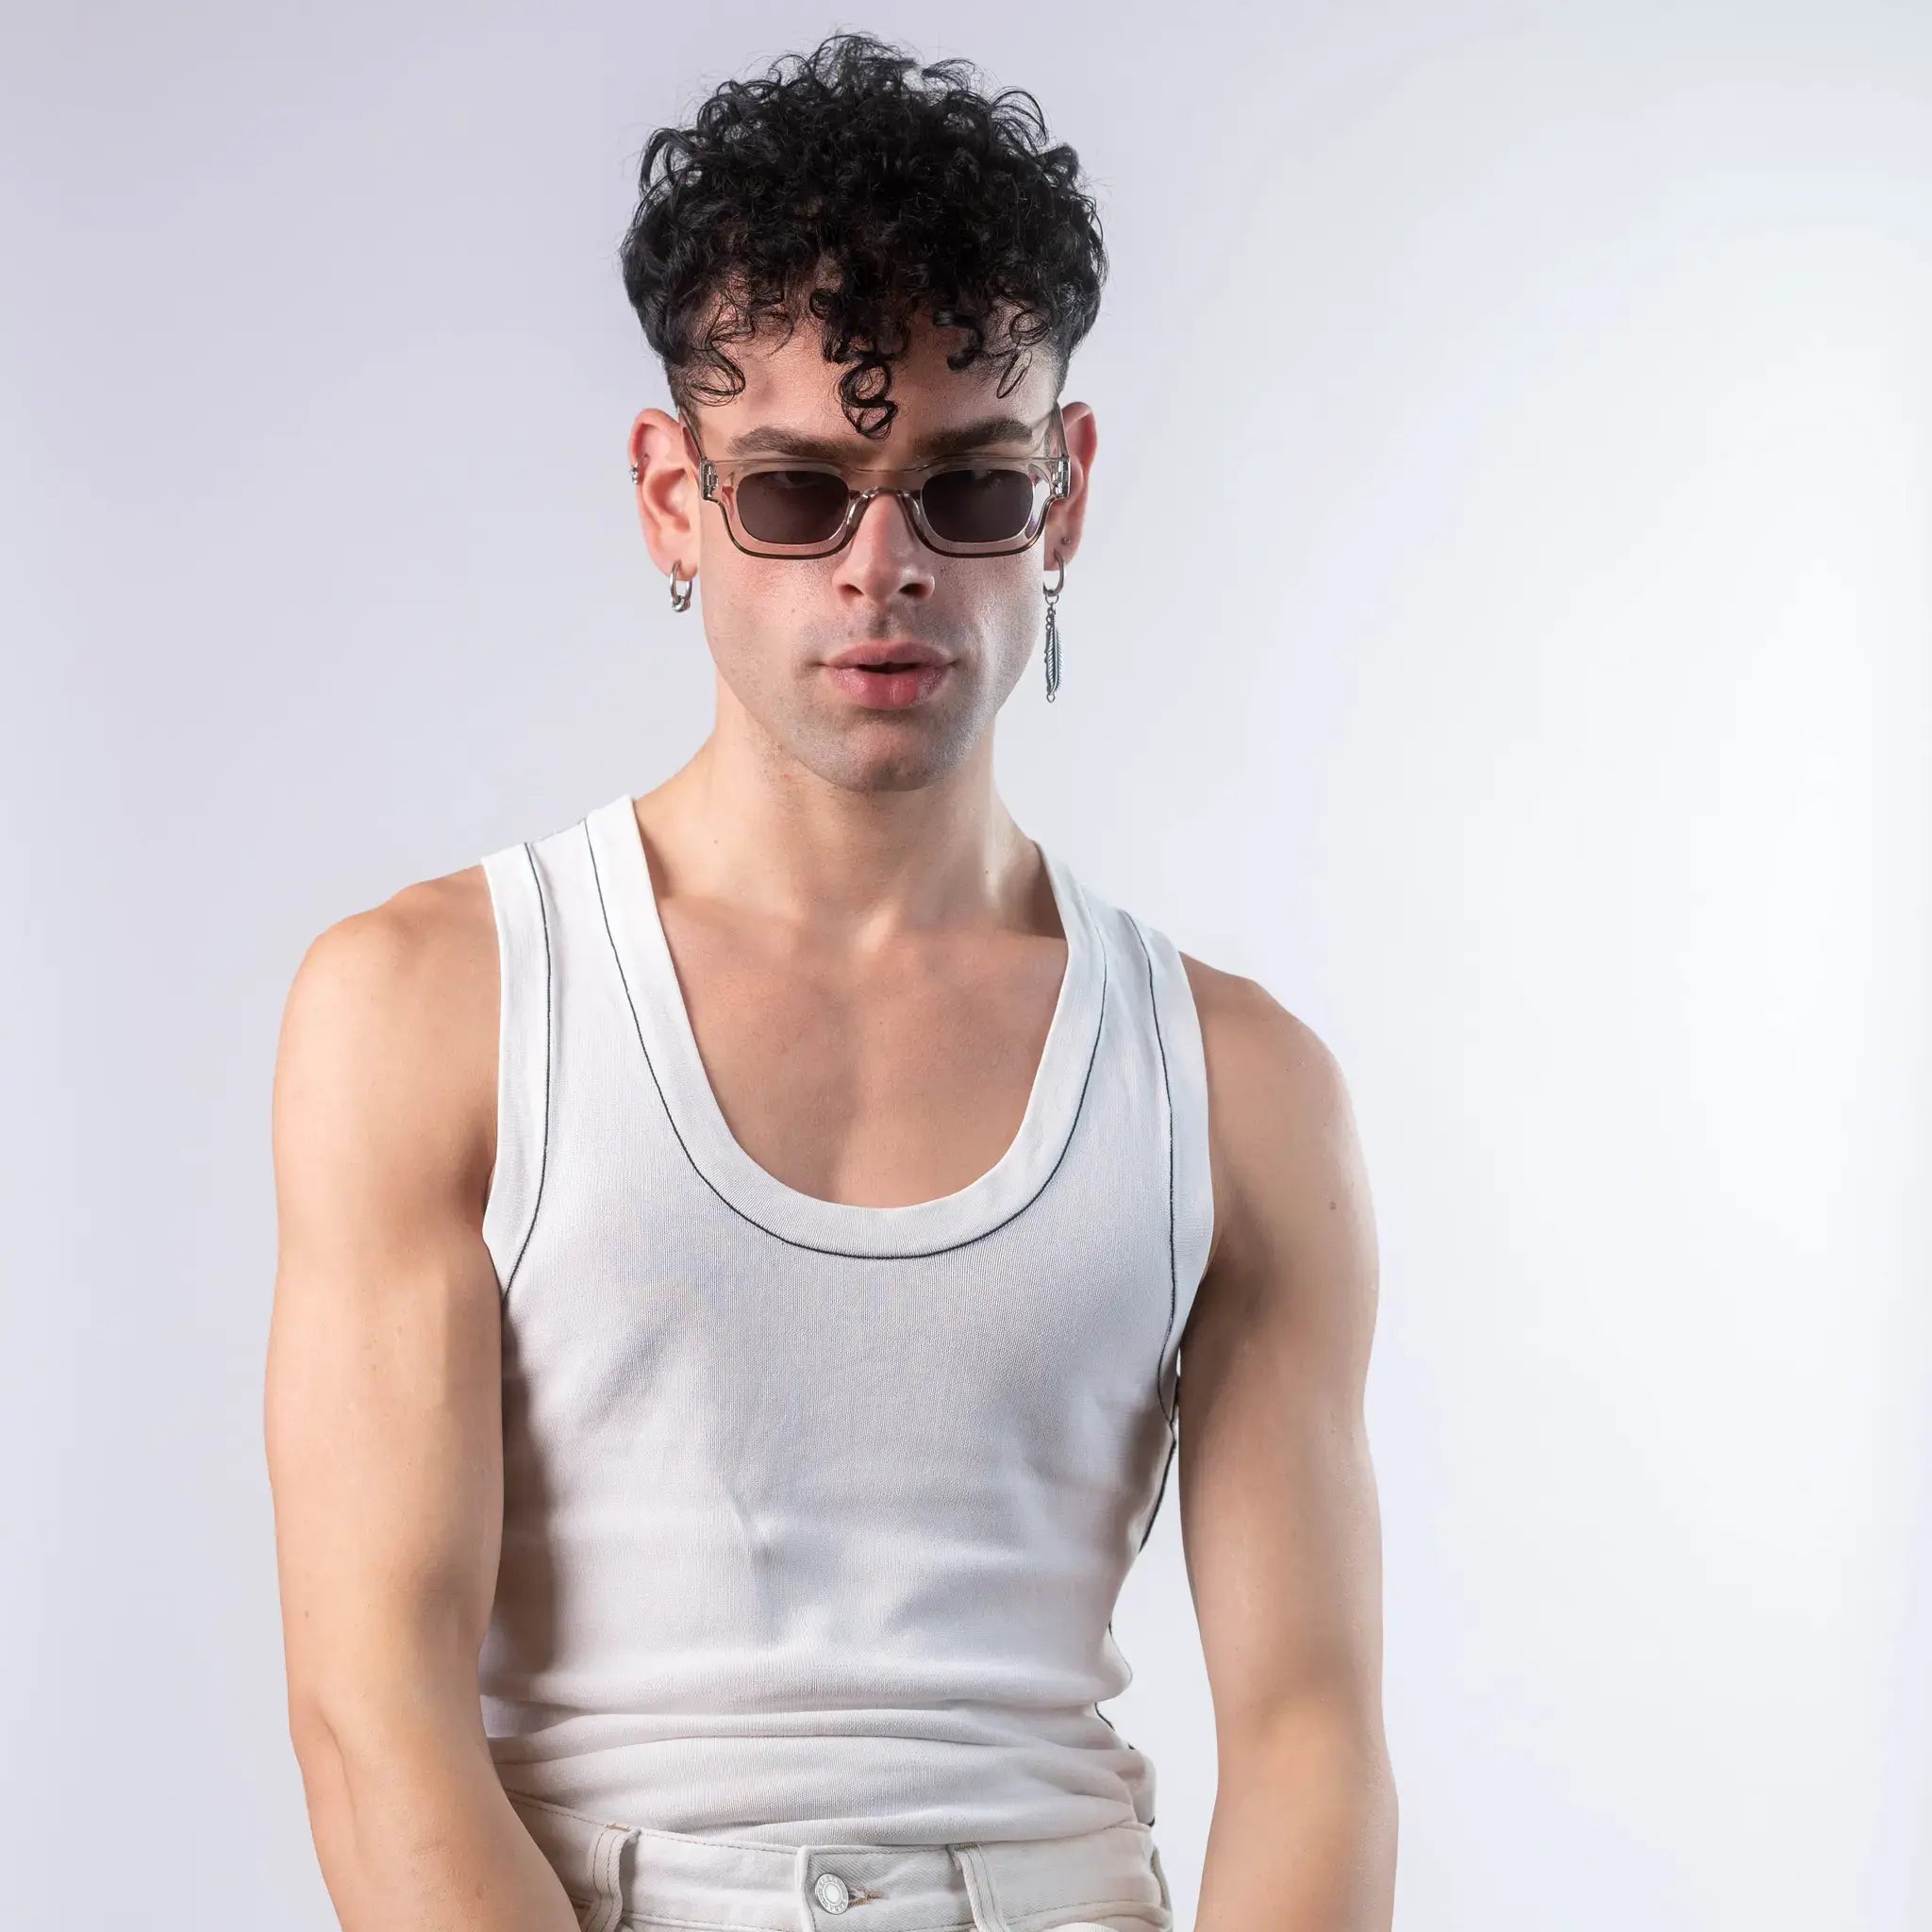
371 1731
310 1733
1342 1733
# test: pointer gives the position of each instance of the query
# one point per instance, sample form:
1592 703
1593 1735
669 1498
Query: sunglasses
960 507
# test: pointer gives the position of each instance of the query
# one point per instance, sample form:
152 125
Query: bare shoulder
1290 1186
389 1043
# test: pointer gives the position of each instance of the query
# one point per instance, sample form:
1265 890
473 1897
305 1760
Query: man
736 1249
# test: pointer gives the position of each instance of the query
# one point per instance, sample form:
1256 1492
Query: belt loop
801 1871
606 1877
987 1916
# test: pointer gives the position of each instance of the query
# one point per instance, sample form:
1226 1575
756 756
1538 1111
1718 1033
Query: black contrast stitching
1160 1496
549 1028
813 1247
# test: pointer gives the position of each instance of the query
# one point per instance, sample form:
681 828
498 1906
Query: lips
877 689
897 654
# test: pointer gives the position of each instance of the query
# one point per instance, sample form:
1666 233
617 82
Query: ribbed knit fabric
815 1515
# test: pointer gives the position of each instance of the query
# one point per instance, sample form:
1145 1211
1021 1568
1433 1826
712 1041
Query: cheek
1002 600
755 619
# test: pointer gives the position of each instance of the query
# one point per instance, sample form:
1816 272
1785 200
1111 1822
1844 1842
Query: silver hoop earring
680 600
1053 631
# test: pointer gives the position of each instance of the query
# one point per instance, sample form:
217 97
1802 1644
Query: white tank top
815 1515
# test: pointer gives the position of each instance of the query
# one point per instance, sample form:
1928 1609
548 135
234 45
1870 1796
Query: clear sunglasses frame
717 482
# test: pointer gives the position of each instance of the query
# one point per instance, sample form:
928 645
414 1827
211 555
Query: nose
884 551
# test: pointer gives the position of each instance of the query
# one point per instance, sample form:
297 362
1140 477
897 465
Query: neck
853 869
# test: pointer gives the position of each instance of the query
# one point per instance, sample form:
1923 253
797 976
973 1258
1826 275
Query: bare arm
382 1418
1278 1509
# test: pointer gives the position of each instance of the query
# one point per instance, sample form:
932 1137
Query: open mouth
891 686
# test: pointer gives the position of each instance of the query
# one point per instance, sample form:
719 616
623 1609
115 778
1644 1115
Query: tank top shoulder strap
525 1009
1159 994
1190 1188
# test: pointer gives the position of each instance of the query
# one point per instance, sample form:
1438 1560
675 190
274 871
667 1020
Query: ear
1066 519
667 492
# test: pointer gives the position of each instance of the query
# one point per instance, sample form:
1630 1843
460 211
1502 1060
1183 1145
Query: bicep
382 1417
1278 1509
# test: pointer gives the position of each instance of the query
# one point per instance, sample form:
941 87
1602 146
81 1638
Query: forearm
1304 1832
413 1831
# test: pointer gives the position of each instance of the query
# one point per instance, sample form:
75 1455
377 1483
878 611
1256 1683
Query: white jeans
631 1878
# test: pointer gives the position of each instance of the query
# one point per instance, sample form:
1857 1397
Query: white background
1502 629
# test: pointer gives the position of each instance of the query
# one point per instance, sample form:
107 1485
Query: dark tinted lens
978 505
790 505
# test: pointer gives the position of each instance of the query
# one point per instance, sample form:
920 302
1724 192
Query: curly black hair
873 197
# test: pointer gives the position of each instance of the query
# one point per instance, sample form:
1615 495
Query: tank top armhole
1184 1072
522 1056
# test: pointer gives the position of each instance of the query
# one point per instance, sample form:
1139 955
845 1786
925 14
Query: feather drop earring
1053 631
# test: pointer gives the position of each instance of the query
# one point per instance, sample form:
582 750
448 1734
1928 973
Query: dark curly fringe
876 199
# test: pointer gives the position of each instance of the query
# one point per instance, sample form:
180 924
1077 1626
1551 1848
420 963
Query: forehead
790 404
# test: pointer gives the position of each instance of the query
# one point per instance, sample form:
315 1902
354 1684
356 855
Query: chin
853 764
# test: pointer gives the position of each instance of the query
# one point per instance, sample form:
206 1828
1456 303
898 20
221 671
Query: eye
798 479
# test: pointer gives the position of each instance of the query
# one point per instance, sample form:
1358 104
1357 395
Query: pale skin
870 954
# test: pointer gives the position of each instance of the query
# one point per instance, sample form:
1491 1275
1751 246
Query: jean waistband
619 1873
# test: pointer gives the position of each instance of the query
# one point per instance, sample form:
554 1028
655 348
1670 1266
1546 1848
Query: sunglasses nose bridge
859 501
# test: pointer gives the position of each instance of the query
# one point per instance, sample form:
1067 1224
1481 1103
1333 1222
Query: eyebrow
773 439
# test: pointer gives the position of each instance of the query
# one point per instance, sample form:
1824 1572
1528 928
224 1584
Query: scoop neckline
673 1063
